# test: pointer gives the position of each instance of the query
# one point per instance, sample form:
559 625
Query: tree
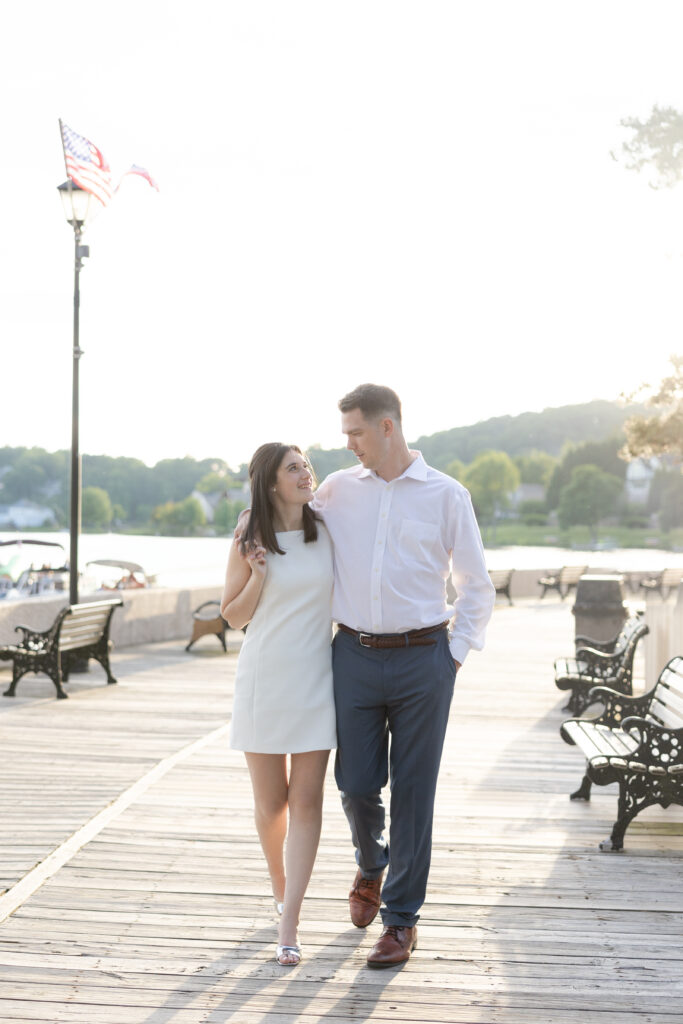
661 434
456 469
225 516
490 479
536 467
96 508
213 482
590 495
656 143
179 518
603 454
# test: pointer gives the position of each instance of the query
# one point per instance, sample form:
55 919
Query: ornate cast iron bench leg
584 790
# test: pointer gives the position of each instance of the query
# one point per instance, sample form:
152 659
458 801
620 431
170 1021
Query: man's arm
476 594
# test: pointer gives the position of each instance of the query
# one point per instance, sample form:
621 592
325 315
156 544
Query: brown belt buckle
360 639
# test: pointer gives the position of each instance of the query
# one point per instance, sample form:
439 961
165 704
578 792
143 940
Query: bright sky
412 193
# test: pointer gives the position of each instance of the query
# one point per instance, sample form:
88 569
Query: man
400 529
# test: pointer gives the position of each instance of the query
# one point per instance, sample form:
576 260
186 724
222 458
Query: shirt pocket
419 542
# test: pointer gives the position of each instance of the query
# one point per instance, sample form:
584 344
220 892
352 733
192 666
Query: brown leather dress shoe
365 899
394 946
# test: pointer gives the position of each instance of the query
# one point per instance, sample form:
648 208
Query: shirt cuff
459 649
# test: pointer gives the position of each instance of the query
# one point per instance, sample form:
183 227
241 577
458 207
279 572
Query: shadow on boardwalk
164 916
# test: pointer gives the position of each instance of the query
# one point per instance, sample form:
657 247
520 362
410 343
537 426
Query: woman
279 580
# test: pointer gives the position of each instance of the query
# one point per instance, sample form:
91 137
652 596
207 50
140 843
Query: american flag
85 165
143 172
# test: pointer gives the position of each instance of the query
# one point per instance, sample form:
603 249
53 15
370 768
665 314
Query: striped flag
142 172
85 165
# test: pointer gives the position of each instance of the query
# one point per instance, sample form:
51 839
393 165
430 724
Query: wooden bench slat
82 629
77 627
673 683
599 741
667 695
653 773
97 615
664 715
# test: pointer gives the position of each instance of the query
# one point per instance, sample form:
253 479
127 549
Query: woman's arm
244 579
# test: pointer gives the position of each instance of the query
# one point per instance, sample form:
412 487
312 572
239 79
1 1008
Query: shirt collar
417 469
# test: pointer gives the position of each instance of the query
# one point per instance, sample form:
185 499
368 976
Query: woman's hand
256 558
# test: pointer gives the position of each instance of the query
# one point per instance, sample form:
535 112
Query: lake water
183 561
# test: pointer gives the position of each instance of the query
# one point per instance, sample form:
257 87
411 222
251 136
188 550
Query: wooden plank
165 912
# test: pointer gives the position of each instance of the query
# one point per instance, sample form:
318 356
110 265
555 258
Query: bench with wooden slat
79 631
501 579
609 664
563 581
636 742
663 583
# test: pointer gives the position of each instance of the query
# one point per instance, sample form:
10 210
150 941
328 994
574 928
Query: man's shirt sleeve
476 594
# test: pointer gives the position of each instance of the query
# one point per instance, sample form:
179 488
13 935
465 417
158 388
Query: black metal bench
563 581
79 631
667 580
600 664
501 579
207 620
636 742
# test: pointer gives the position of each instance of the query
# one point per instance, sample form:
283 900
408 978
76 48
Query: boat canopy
116 563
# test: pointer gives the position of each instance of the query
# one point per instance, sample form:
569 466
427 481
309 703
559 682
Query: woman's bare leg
269 783
305 799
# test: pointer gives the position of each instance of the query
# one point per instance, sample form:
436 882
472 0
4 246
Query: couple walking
372 551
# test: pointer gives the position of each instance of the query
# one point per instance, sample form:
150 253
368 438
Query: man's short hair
374 401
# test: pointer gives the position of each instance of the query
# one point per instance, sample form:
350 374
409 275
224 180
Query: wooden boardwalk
150 902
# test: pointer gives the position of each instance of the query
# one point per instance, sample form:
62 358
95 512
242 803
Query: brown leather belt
380 641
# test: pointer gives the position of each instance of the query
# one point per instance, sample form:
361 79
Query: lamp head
76 202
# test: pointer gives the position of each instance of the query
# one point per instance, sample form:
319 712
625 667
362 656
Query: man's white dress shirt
395 545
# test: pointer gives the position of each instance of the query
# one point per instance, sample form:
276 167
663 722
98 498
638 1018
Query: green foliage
533 513
455 468
329 461
36 475
225 516
547 431
671 508
213 482
179 518
661 434
490 478
590 495
656 143
96 508
634 517
604 454
536 467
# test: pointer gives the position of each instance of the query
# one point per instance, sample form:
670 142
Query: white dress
284 702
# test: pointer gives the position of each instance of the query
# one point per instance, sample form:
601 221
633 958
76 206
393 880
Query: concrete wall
163 613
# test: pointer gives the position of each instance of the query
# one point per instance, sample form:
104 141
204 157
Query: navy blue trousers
392 711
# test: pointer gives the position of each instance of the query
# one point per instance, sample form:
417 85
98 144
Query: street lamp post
76 202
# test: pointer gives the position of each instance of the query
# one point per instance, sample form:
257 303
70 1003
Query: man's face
367 439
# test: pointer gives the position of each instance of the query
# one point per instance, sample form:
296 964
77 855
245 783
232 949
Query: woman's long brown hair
263 468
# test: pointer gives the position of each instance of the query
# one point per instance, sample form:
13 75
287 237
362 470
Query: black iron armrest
596 661
658 745
33 638
606 646
618 706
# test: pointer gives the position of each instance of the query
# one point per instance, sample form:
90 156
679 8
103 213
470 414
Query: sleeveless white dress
284 701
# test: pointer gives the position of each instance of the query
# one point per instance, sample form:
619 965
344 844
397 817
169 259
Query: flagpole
76 465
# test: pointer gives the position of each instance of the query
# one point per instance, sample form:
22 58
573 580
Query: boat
34 568
117 575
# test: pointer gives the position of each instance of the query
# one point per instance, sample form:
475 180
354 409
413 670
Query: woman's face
294 480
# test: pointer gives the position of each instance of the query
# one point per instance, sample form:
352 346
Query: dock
135 891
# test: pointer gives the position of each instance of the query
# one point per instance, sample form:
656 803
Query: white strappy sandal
288 951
